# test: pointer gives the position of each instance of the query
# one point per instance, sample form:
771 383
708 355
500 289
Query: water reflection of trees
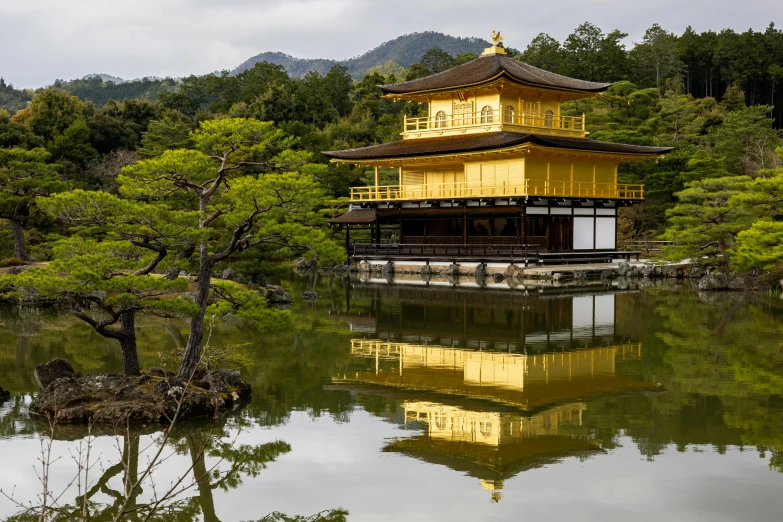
729 350
216 462
721 364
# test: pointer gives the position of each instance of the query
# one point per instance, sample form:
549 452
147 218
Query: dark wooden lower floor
523 254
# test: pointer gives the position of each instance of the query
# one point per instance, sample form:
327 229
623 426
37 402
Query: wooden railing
478 119
498 189
522 253
648 246
377 348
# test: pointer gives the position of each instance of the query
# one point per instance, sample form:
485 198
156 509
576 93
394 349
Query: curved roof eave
480 143
488 68
502 74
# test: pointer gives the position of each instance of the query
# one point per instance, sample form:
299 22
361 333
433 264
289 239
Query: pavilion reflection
503 320
492 446
492 415
526 382
496 382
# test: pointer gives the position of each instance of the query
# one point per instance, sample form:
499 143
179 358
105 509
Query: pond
409 401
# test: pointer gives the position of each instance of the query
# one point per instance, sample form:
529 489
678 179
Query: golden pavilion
494 172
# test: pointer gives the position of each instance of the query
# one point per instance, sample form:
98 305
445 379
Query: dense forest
716 97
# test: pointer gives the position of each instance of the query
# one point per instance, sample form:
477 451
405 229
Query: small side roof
489 67
355 216
484 142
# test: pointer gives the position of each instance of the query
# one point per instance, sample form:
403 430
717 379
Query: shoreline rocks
277 295
48 372
737 283
310 296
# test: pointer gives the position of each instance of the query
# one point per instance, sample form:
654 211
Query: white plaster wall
582 312
605 233
583 233
604 314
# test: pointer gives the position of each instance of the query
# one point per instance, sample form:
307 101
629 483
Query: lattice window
463 113
531 109
508 114
485 428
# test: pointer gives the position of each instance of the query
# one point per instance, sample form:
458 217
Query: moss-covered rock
151 397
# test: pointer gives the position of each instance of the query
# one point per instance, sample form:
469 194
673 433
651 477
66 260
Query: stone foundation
504 274
512 271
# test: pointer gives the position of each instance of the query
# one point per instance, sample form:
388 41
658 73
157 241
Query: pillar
401 239
548 184
465 226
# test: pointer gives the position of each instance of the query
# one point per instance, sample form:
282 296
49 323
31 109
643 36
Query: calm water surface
406 402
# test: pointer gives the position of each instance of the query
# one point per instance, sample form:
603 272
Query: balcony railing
497 189
482 119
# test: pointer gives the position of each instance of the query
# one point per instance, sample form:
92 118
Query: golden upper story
493 93
500 107
491 428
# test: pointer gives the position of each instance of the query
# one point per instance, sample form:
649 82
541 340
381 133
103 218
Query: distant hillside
96 89
104 77
404 51
13 100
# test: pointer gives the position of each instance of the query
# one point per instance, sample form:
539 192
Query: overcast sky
42 40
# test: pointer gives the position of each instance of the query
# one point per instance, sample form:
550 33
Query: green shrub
11 261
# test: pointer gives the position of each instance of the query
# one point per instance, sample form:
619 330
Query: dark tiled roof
480 142
488 67
355 216
425 146
597 146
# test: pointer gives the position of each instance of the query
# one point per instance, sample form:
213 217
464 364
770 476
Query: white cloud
43 40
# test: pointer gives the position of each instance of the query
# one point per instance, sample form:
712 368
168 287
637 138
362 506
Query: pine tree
91 278
703 223
24 176
74 144
168 133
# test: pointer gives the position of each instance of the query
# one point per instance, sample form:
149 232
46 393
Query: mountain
403 50
104 77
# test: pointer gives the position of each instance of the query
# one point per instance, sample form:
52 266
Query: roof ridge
437 74
479 70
